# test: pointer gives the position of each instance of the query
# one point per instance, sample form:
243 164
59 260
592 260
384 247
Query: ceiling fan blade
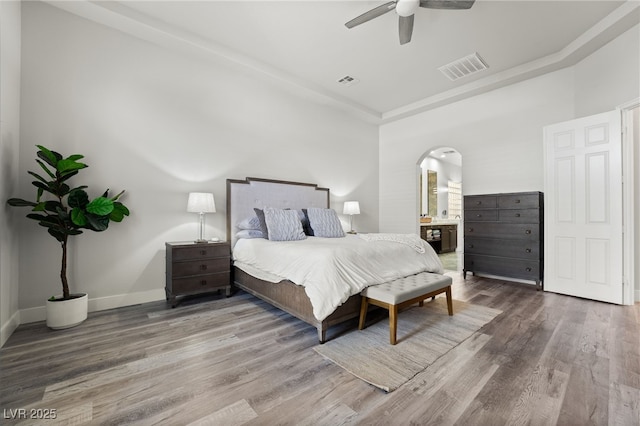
405 28
373 13
447 4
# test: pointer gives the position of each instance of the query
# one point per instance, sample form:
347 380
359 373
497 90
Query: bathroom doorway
440 204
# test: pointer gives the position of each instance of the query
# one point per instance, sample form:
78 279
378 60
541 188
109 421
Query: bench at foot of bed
404 292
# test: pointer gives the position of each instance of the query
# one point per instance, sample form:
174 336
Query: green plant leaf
75 157
40 207
46 169
60 236
19 202
100 206
97 223
52 206
78 217
68 175
50 157
39 194
78 198
37 176
119 212
69 166
44 187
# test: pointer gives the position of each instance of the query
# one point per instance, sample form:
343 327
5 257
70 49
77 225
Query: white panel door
583 208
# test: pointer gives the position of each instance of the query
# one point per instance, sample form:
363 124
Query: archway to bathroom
440 204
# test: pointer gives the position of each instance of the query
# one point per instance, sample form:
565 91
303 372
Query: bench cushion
403 289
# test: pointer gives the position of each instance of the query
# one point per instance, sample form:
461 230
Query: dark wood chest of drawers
194 268
503 235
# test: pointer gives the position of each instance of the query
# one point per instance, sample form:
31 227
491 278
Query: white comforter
333 269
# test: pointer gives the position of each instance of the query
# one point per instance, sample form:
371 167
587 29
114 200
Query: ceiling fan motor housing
407 7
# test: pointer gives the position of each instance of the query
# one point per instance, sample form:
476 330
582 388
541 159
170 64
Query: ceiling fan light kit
406 11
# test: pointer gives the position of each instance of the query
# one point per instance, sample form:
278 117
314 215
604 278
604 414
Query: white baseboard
9 327
99 304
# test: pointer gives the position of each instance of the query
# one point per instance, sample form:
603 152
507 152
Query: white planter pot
67 313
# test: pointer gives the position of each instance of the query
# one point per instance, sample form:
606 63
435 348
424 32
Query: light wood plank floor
548 359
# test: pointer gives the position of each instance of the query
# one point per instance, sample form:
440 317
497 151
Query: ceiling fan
405 10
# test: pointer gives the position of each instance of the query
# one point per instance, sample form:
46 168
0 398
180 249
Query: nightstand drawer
200 267
201 283
200 251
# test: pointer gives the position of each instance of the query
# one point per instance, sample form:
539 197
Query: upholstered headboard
244 195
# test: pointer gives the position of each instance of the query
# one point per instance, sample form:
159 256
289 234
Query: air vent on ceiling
463 67
348 80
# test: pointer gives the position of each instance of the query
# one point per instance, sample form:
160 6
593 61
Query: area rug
424 335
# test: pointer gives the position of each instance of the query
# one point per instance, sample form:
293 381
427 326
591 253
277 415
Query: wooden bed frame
242 197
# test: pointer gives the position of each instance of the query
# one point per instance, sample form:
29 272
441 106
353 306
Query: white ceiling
305 43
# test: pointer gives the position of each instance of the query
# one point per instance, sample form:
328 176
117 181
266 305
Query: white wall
160 124
499 135
610 76
9 146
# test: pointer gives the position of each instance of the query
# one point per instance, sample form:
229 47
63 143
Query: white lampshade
201 202
351 207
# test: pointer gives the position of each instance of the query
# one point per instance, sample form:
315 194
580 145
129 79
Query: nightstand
194 268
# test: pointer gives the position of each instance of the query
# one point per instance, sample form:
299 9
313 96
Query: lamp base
351 232
199 241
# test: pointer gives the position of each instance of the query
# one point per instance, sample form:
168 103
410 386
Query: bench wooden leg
393 323
363 312
449 301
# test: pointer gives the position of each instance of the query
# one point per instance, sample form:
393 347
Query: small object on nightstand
194 268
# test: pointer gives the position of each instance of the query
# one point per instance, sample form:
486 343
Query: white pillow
325 223
283 225
249 223
249 233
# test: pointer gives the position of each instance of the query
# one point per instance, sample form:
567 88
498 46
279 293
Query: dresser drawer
506 248
519 215
500 266
480 215
480 202
200 251
200 267
202 283
507 231
519 201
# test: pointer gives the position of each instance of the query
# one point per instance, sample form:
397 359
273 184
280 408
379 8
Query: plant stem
63 270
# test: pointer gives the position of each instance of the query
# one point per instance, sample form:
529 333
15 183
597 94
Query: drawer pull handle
203 252
528 269
528 231
517 214
470 229
203 282
479 202
528 250
470 245
203 267
517 201
478 215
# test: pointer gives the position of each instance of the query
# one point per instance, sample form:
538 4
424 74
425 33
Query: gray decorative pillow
283 225
306 226
263 224
325 223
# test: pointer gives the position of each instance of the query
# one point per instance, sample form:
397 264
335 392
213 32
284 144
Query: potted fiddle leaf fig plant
66 211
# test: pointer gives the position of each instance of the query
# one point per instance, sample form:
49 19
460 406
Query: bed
272 285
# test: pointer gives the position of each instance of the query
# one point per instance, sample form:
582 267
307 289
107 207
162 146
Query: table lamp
351 208
201 203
